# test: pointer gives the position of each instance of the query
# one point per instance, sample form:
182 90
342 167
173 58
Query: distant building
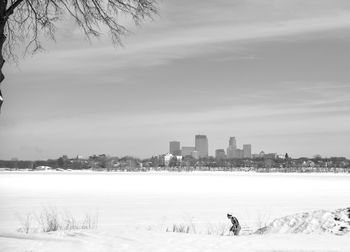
232 146
238 153
201 145
167 158
232 142
174 148
195 154
43 168
230 152
179 158
247 150
220 154
271 155
262 154
187 151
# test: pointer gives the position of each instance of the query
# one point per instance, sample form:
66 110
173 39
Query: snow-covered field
134 209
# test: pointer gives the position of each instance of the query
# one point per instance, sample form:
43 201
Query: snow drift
318 222
313 231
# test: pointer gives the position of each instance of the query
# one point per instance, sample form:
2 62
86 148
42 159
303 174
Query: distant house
308 163
167 158
311 163
43 168
271 155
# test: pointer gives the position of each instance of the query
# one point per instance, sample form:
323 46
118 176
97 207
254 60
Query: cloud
158 45
192 41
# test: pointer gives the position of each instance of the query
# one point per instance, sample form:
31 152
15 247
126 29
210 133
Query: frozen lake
140 199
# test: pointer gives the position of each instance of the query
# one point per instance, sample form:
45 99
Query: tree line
128 163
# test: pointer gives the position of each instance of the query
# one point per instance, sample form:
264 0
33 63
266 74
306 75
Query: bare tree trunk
3 19
2 40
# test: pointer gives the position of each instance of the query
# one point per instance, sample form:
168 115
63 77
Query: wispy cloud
162 44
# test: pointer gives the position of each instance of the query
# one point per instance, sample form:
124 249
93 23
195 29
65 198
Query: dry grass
26 223
182 228
262 220
220 229
51 219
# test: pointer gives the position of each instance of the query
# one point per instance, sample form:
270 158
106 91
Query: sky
272 73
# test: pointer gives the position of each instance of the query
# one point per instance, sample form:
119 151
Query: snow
134 210
319 221
141 240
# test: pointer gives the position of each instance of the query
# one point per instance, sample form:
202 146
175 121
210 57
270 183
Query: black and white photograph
174 125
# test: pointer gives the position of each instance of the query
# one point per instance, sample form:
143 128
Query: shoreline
167 172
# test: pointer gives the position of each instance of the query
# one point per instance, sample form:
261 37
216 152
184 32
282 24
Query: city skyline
201 148
274 72
177 145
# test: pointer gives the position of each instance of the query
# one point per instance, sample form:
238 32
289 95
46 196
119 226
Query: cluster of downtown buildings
200 150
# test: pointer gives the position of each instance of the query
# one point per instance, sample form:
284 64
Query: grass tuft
50 219
182 228
220 229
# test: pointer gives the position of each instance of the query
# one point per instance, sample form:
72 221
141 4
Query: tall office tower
231 148
201 144
174 148
220 154
232 143
247 150
238 153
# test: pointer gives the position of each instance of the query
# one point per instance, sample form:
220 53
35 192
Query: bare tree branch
12 7
29 20
23 23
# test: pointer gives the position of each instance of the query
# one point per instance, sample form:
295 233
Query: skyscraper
247 150
232 142
232 146
174 148
201 145
238 153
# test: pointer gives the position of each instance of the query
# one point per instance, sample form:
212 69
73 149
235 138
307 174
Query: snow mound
318 222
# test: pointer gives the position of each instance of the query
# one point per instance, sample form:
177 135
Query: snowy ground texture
321 221
137 212
147 241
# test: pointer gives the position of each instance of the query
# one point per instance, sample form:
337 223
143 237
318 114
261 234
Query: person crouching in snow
235 225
